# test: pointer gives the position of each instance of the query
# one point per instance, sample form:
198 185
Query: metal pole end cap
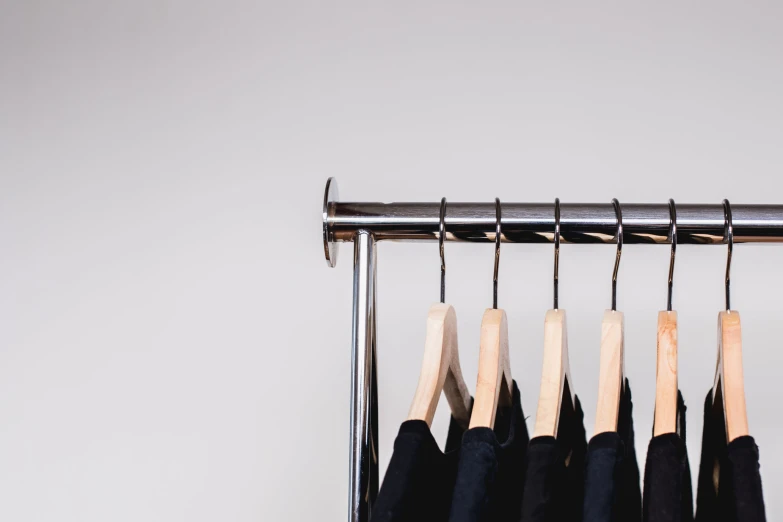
331 196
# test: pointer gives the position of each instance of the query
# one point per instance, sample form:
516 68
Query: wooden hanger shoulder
666 385
729 377
555 372
611 373
494 385
440 369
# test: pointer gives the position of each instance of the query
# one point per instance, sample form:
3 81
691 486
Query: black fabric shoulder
601 473
737 495
554 472
542 473
668 491
608 440
490 474
612 485
420 477
476 476
743 480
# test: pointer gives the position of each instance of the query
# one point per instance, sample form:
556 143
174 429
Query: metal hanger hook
441 239
673 238
497 253
728 237
557 250
619 213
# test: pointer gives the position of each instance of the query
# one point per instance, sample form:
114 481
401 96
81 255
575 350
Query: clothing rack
364 224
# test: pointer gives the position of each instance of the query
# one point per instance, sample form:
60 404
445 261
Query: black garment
737 497
668 492
420 477
555 471
490 475
612 491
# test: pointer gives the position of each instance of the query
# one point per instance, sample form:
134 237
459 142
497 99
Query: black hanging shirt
420 477
612 490
490 474
736 495
668 492
554 470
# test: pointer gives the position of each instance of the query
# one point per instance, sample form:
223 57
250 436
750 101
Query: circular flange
331 196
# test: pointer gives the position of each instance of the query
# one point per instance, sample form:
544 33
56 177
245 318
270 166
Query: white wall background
173 346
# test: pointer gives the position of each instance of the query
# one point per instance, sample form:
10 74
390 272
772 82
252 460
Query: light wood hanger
666 385
494 384
728 389
611 378
440 369
555 373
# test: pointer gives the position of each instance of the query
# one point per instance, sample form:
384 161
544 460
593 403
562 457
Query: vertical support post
363 485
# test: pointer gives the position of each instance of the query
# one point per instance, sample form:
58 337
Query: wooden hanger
666 385
611 377
729 386
440 369
554 375
556 372
494 385
728 389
